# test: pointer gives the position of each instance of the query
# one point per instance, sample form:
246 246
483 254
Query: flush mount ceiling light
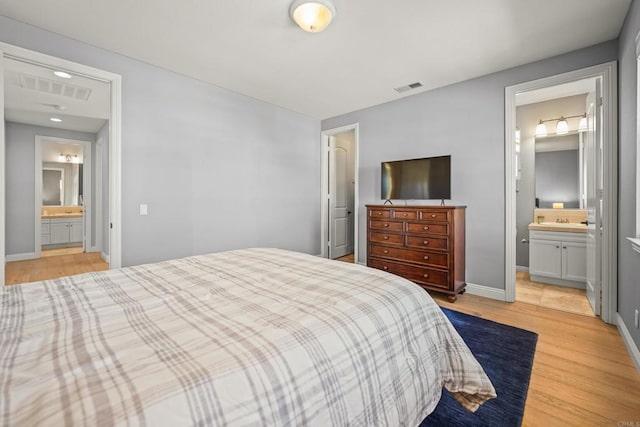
312 16
55 119
62 74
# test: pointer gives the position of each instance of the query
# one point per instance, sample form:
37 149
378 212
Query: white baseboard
628 341
105 257
20 257
486 291
522 268
92 249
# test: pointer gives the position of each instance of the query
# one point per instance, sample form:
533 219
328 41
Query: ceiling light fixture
69 157
562 125
312 16
55 119
62 74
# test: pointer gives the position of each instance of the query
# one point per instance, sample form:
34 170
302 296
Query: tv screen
417 179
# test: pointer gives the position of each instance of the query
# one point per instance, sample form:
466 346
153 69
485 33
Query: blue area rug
506 354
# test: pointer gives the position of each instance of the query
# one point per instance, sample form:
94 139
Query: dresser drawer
387 238
428 242
380 213
405 214
422 228
424 275
435 259
434 215
386 225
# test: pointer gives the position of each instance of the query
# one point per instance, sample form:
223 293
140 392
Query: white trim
635 244
21 257
522 268
608 73
99 195
324 168
115 139
93 249
486 291
104 256
638 135
634 352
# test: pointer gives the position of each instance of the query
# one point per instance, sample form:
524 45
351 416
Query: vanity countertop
570 227
62 215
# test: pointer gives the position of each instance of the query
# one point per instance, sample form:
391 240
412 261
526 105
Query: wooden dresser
425 244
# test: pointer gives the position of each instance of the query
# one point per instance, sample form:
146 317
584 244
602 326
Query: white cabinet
558 258
65 230
45 233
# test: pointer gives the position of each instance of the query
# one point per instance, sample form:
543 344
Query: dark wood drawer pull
426 257
426 227
386 237
386 251
426 242
385 268
386 225
426 275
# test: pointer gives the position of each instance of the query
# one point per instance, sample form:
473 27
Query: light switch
143 209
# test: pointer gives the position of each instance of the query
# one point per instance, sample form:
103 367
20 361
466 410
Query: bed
247 337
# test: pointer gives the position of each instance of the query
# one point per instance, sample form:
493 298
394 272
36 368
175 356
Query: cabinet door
574 261
75 232
545 258
59 233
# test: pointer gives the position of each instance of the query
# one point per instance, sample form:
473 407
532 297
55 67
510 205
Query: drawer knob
379 213
386 237
426 242
385 268
426 257
404 214
386 225
425 275
426 227
386 251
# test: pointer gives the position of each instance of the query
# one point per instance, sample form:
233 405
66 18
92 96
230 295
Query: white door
594 187
340 195
545 258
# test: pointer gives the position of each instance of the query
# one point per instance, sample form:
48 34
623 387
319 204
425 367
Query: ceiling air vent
54 87
408 87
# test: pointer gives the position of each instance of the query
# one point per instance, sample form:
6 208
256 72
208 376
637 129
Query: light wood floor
62 251
52 267
346 258
582 373
551 296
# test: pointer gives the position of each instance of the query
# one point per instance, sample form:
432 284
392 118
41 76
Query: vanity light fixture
56 119
562 125
69 157
312 16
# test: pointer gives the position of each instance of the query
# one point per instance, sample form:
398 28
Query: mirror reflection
62 174
558 172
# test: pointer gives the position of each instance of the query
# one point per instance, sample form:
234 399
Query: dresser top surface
416 206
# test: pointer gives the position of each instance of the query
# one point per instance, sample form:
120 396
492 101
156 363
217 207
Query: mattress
249 337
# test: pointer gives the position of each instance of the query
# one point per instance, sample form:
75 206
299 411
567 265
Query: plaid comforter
241 338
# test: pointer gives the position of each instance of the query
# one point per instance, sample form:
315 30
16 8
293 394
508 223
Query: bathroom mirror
559 171
62 184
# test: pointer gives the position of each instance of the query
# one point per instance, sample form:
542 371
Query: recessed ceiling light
62 74
55 119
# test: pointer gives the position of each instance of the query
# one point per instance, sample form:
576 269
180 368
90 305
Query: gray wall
218 170
20 185
628 261
102 143
465 120
557 178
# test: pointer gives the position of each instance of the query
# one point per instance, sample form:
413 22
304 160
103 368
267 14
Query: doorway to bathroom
561 180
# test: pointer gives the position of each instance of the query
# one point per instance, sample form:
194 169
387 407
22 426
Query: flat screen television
417 179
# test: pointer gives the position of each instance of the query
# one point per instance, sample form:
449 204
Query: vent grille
54 87
408 87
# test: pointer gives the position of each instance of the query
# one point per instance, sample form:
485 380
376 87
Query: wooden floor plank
52 267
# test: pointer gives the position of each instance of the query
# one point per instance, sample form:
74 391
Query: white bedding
249 337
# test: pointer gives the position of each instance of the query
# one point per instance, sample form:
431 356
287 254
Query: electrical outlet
636 319
144 210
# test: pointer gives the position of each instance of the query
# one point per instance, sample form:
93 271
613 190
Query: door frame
87 183
324 187
608 73
115 141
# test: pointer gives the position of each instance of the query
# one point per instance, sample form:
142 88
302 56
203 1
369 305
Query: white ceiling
578 87
31 106
372 46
